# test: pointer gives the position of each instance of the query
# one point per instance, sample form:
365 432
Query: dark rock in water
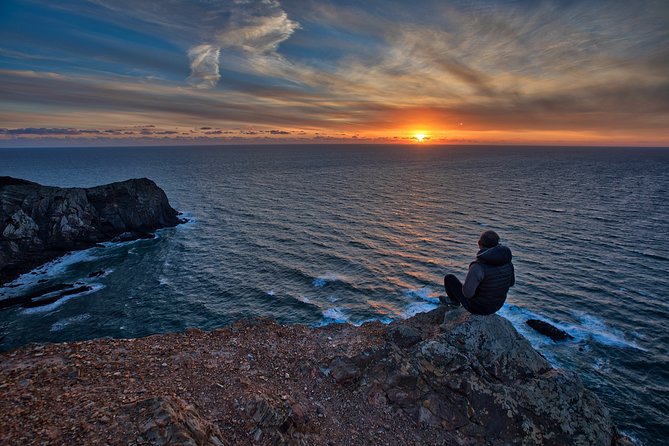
37 293
549 330
133 235
97 273
41 301
39 223
41 291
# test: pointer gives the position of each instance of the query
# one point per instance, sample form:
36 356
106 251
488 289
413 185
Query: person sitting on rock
488 281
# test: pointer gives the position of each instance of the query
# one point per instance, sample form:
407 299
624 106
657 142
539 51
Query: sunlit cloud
555 72
204 66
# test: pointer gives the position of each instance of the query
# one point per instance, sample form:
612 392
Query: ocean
332 234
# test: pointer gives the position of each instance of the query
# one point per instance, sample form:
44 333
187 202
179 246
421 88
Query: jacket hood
499 255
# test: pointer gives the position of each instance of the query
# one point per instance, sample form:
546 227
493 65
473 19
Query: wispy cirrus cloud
204 66
251 27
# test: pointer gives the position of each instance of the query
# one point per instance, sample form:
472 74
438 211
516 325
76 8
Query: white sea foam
192 221
595 328
421 300
270 293
336 314
52 306
589 328
424 293
48 270
321 281
518 317
61 324
417 307
383 320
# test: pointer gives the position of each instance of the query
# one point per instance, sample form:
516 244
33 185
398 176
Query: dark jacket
489 279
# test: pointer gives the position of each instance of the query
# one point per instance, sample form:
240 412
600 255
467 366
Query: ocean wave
321 281
417 307
589 328
595 328
383 320
425 293
49 270
61 324
335 315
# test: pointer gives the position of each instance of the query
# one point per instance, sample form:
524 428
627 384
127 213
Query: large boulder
39 223
479 379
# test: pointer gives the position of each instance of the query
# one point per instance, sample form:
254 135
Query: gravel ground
255 382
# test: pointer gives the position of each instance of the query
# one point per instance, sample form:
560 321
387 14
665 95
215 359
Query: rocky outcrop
171 421
480 380
39 223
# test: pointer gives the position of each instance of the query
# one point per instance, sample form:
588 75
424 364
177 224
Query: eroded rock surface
39 223
481 380
443 378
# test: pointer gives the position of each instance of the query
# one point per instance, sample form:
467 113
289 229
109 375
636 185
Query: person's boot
446 300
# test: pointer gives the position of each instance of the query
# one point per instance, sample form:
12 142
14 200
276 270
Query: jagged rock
39 223
171 421
481 380
344 370
548 330
405 335
281 423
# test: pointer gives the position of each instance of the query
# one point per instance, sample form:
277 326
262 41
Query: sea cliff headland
39 223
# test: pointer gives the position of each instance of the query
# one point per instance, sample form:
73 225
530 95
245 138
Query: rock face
171 421
39 223
480 380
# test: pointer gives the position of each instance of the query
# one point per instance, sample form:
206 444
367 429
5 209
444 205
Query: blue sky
207 71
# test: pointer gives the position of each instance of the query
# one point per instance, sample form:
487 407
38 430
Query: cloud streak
458 69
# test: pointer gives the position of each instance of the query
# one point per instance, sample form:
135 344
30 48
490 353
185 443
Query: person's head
489 239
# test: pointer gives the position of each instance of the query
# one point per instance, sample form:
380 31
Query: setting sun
420 136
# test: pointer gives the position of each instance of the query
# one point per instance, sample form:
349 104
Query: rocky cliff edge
445 377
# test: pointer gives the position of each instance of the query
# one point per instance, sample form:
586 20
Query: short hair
489 239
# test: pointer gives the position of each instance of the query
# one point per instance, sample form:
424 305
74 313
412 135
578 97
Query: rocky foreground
444 377
39 223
